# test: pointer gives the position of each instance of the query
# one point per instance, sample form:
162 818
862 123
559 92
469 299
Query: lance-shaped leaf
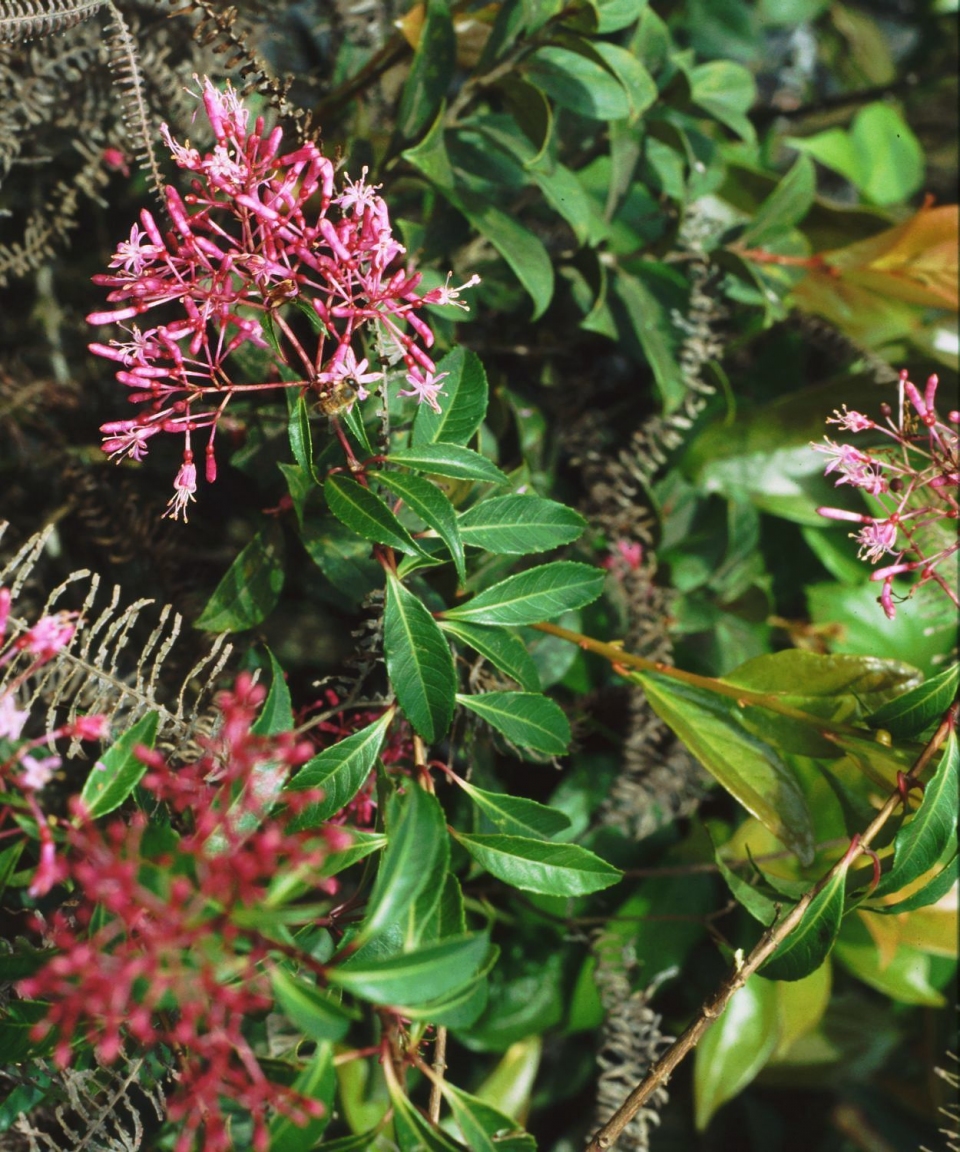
276 715
434 509
341 771
416 834
358 508
317 1081
751 770
419 662
452 460
538 866
463 402
515 815
312 1010
433 64
118 771
529 719
480 1123
531 597
503 649
921 842
413 977
298 431
250 587
935 889
914 712
810 943
518 525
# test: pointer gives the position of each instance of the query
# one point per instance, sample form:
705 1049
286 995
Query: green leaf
727 91
419 662
317 1081
735 1047
520 248
310 1009
533 596
505 651
760 906
934 889
276 715
637 82
479 1123
342 556
9 858
118 771
613 15
538 866
463 402
250 589
449 460
298 430
438 910
517 525
921 841
655 331
434 509
358 508
414 977
413 1133
416 833
578 82
911 714
23 962
17 1019
810 943
341 771
905 977
786 205
362 845
432 69
515 815
525 718
357 1143
750 770
430 155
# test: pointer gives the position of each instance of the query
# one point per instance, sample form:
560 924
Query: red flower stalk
260 236
914 478
181 960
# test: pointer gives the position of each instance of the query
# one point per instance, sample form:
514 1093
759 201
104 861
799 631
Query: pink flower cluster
182 960
913 476
255 245
27 772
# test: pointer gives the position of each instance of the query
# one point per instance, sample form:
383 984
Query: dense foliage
567 443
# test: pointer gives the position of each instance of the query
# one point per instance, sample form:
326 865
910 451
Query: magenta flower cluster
180 959
261 235
912 476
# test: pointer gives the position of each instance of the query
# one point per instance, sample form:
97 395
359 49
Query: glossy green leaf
17 1019
923 839
735 1047
463 402
451 460
616 14
342 556
414 1133
538 866
760 906
276 715
505 651
727 91
358 1143
438 911
414 977
479 1123
313 1011
578 82
529 719
637 82
517 525
801 1005
911 714
317 1081
362 845
655 330
533 596
416 833
434 509
419 662
751 771
905 977
118 771
341 771
524 252
515 815
251 587
786 205
431 72
298 430
23 961
935 889
359 509
430 155
810 943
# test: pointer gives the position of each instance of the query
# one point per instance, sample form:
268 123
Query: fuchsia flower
914 477
259 236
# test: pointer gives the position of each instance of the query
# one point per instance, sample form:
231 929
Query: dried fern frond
31 19
125 66
102 670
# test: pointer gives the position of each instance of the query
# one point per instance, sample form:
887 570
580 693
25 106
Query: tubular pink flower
876 538
426 387
184 487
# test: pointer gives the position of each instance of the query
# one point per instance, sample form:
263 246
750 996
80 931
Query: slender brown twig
769 942
439 1067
